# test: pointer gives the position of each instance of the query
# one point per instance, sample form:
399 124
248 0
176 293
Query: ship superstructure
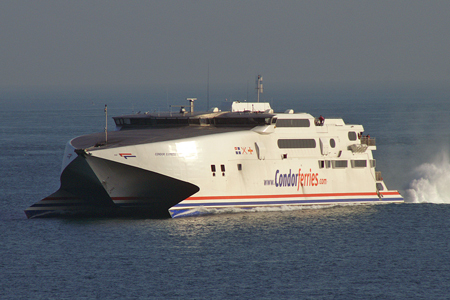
178 164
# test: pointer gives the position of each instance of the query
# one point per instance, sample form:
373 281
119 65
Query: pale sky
121 43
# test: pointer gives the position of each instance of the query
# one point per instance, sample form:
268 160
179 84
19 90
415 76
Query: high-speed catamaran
184 163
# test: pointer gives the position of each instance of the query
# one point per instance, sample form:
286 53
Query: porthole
332 143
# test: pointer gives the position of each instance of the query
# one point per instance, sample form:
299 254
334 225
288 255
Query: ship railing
369 141
378 176
358 148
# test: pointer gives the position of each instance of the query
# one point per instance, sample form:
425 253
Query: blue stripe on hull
285 202
185 210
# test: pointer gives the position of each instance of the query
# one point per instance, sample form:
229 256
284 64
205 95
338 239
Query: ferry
187 163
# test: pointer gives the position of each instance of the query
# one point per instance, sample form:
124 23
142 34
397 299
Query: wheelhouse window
352 136
296 143
293 123
240 121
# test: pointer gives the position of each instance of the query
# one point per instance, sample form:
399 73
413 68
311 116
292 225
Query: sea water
394 251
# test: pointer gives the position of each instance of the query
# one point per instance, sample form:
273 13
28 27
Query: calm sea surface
341 252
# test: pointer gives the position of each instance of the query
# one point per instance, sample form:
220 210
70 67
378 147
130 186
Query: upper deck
241 114
222 119
150 128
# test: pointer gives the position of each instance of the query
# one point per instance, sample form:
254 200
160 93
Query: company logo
296 179
126 155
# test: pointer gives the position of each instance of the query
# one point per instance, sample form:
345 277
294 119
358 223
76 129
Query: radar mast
259 85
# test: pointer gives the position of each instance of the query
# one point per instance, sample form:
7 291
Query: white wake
233 210
431 183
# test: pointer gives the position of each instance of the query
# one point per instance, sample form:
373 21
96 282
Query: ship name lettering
298 179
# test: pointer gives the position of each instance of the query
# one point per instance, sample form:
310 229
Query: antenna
106 124
259 85
207 92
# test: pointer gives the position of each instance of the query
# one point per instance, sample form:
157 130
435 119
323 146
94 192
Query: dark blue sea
399 251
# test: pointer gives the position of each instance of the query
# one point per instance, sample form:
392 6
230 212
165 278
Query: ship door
260 150
324 146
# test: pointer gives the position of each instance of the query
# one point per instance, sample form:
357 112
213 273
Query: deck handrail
369 141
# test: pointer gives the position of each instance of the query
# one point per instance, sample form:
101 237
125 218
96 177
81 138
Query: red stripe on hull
290 196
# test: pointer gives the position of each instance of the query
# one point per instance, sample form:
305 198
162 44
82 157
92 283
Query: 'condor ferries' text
297 179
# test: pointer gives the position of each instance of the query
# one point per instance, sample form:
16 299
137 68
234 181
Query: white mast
191 102
259 85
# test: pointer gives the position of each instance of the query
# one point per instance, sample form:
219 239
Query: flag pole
106 124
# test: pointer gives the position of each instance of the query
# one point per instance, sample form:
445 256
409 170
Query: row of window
293 123
339 164
185 121
296 143
335 164
213 170
222 169
300 143
283 143
152 121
